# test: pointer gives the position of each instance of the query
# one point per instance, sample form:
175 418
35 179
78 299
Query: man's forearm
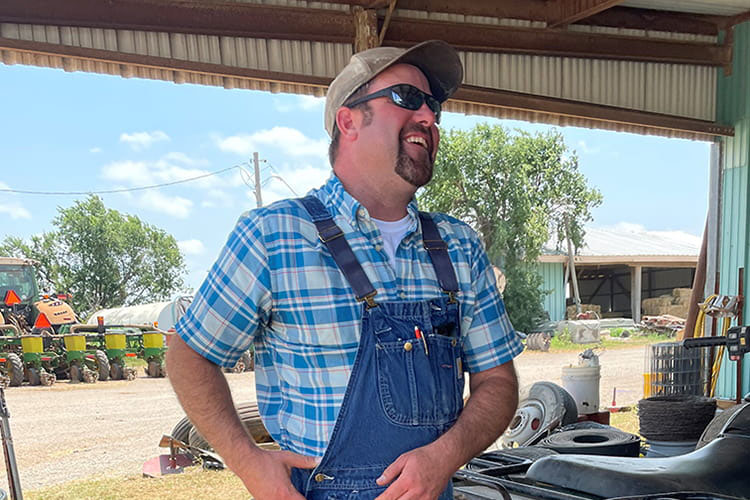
205 396
488 411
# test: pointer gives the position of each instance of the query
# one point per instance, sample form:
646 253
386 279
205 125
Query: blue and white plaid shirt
277 286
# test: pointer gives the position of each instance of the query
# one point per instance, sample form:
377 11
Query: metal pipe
14 481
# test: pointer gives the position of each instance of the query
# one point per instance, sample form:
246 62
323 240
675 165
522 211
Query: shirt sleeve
233 301
490 340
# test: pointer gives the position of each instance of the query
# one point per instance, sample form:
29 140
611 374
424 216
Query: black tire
250 417
102 365
115 371
153 369
75 373
608 442
181 431
14 369
32 374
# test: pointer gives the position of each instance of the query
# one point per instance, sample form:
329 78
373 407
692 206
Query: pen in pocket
420 335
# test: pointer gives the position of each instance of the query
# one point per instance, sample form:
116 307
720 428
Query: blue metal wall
554 301
734 109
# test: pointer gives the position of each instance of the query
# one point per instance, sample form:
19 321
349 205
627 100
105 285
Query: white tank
163 315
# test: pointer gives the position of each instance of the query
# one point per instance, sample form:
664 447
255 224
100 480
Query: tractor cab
21 303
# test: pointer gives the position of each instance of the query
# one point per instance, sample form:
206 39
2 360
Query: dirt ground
77 431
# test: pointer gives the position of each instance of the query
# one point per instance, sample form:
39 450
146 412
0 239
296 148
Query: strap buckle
451 296
369 299
434 245
330 233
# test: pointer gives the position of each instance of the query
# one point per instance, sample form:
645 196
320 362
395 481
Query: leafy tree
517 190
103 257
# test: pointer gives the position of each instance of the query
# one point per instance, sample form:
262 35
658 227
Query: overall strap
333 238
438 252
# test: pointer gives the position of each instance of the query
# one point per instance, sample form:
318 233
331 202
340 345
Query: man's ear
347 123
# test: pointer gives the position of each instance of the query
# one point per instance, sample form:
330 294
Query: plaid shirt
275 285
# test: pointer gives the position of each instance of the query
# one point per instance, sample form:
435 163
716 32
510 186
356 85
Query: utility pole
256 162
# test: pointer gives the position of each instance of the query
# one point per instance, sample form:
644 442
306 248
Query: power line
122 190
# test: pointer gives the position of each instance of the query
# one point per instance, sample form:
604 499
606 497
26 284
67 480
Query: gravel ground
76 431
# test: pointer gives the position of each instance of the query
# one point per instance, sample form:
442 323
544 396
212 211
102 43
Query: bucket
582 382
658 449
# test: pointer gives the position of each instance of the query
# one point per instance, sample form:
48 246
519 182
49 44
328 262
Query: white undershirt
393 232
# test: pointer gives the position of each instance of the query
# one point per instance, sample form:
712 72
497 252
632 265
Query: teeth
417 140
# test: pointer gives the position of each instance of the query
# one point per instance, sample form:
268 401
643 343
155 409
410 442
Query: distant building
617 268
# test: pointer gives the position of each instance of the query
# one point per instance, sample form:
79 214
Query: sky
81 132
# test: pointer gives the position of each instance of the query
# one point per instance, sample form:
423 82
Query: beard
416 172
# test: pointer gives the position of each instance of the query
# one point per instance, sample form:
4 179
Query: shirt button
320 477
378 247
402 295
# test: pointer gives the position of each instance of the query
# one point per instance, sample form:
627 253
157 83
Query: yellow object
75 342
153 340
31 343
115 340
646 385
700 330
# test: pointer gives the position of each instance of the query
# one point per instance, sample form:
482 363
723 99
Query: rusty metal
740 321
571 11
554 106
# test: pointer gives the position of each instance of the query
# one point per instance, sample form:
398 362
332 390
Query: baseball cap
436 59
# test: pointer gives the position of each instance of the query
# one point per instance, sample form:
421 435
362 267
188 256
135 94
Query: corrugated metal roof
603 242
720 8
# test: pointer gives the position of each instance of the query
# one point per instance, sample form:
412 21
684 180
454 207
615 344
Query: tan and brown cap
436 59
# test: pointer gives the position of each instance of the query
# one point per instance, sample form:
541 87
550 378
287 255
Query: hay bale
570 311
679 310
655 306
681 293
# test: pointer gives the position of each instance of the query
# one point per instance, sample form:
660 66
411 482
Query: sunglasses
405 96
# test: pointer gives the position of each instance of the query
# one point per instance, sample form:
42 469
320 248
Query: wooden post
366 29
635 293
699 284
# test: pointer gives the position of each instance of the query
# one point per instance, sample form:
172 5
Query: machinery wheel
102 364
181 431
14 369
154 369
33 376
115 371
250 417
75 374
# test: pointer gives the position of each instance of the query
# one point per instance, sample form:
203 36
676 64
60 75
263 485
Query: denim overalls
407 381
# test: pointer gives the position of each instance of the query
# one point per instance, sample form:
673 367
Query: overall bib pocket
419 386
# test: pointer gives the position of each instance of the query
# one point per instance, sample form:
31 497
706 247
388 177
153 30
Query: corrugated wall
554 301
734 109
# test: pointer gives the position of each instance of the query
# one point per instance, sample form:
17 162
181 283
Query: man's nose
425 116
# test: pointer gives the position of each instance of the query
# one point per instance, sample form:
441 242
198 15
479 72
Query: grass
562 342
194 483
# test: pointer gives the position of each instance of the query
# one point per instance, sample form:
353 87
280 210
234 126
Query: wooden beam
657 20
491 38
366 29
577 109
291 23
566 12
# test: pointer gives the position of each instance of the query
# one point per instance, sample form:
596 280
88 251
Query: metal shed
677 68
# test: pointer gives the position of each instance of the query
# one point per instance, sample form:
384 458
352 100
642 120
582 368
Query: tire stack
538 342
250 417
672 425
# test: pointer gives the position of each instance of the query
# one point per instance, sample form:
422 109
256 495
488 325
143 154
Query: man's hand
267 476
420 474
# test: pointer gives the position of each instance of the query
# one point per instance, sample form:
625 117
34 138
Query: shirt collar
338 200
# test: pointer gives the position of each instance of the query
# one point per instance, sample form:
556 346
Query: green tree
517 190
103 257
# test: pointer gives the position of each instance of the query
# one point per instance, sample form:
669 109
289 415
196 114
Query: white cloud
191 247
584 148
95 150
303 102
290 141
176 206
143 140
10 207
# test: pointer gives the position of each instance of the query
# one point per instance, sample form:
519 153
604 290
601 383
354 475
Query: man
364 313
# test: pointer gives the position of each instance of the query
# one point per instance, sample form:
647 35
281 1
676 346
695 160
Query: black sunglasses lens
412 98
